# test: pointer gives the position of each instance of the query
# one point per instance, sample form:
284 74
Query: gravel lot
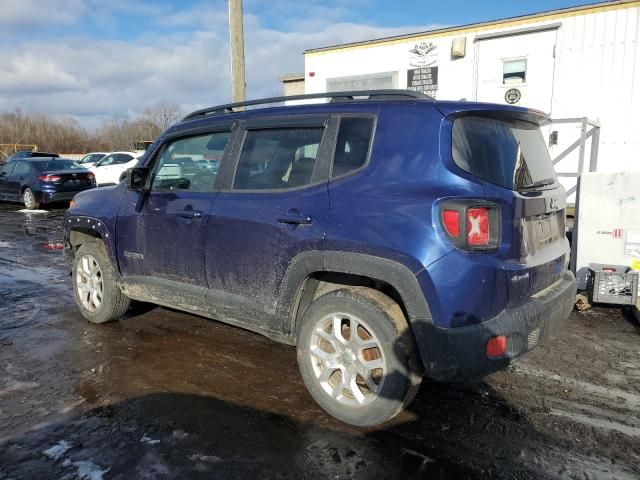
164 394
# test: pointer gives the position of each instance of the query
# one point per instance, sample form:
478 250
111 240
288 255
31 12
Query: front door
161 236
273 206
517 69
6 173
16 179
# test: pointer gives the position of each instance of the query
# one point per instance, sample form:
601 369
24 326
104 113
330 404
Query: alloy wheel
347 359
89 283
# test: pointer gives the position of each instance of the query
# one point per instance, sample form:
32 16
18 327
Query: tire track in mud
600 393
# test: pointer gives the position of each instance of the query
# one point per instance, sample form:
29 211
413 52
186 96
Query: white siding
596 74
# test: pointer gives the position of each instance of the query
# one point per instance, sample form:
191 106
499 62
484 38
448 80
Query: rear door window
277 158
22 168
509 153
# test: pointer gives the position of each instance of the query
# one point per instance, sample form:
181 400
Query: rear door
110 168
161 233
17 179
273 206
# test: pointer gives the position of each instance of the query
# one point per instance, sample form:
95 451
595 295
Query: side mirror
137 180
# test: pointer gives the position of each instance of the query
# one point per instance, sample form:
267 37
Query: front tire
95 287
357 356
29 199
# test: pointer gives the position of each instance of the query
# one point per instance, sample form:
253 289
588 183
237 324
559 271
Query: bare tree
66 135
162 115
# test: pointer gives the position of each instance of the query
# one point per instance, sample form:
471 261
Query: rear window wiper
539 183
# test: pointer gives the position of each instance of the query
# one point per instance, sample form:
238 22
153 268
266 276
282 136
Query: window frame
513 60
152 161
324 157
367 161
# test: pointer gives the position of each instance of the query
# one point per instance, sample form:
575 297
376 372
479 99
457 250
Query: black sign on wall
423 79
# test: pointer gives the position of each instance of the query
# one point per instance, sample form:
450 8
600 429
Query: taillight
478 226
451 222
471 224
91 177
49 178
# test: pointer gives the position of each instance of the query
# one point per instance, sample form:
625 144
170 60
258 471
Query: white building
571 63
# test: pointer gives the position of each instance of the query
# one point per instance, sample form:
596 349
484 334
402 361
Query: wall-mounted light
459 47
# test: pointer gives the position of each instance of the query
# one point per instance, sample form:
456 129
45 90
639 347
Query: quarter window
277 158
190 163
352 146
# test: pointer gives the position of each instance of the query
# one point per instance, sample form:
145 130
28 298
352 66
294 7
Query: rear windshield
510 153
57 165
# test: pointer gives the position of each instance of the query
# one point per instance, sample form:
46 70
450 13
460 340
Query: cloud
92 79
34 13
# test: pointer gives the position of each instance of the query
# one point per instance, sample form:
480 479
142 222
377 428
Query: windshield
57 165
509 153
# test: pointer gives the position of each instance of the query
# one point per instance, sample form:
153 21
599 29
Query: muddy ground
164 394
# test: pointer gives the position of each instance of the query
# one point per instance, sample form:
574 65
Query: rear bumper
459 354
49 197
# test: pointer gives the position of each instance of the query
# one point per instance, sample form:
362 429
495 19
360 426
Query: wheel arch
81 229
312 274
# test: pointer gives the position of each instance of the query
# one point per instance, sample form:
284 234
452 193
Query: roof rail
334 96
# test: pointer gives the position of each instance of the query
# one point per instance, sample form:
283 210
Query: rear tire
29 199
95 285
363 379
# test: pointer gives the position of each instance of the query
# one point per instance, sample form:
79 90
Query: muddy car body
387 235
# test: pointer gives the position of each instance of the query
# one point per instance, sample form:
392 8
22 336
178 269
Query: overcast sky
95 59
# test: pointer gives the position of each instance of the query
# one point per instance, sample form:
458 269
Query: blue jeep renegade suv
387 235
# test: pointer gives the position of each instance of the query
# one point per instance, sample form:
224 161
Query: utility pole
236 35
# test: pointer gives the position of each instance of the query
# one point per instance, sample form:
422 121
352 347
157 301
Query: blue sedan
36 181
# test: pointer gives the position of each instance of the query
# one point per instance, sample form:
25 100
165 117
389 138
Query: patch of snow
205 458
148 440
87 470
4 244
15 386
57 451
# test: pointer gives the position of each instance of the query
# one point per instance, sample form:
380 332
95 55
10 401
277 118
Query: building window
373 81
514 71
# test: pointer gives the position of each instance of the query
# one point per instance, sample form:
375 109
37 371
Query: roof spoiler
453 110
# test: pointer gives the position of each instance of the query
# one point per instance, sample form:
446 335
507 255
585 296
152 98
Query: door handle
295 219
194 214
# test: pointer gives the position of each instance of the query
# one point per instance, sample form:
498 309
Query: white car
110 169
90 159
